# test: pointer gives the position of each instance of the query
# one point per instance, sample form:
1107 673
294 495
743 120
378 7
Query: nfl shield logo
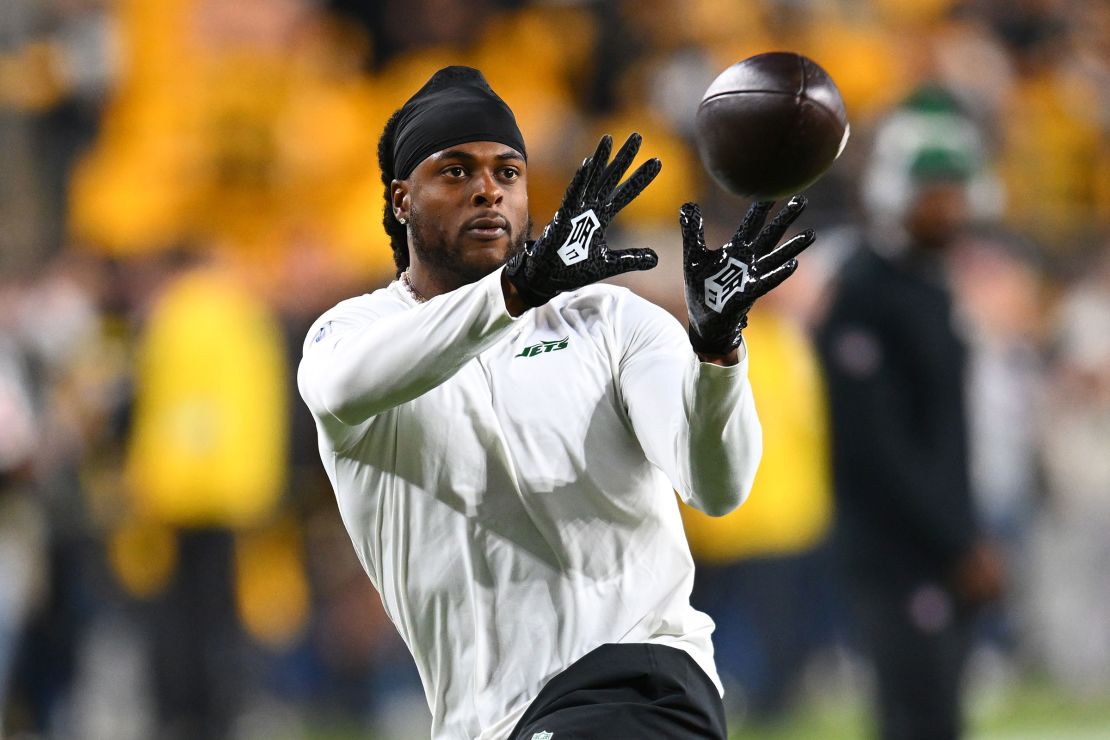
577 246
725 284
544 735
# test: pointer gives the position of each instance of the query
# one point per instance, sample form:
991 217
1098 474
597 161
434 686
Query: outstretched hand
722 284
572 252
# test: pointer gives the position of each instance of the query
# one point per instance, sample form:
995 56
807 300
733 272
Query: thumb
693 233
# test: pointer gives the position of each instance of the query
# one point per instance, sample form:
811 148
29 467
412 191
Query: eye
510 173
454 171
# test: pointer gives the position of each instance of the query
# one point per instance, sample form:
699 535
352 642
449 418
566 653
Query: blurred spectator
1071 588
22 535
1055 145
57 330
918 564
1001 302
205 470
242 124
970 59
58 60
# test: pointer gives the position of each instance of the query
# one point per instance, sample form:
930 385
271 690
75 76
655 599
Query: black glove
722 284
572 251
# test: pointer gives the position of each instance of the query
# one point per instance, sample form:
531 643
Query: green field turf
1030 711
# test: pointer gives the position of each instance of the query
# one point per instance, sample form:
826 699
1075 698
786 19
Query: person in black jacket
917 564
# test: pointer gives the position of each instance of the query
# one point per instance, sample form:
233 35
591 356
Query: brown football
770 125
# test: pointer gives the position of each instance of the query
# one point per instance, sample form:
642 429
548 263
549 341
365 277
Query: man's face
938 214
467 208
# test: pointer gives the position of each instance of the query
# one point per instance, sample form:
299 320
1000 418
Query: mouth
487 228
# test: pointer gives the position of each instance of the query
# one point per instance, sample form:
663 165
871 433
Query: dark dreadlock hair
398 235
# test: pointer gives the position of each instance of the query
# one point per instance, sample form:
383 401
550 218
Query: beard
446 255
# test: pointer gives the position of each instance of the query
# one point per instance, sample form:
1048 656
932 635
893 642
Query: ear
399 199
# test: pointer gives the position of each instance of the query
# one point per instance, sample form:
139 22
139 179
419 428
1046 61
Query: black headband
455 106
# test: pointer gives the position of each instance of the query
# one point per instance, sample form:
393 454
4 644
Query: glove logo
721 287
577 246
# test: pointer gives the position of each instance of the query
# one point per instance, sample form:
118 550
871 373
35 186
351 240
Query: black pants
197 642
918 662
635 691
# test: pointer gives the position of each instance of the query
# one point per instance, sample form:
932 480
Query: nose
487 191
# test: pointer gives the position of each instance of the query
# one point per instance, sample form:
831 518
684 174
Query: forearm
401 356
696 420
724 442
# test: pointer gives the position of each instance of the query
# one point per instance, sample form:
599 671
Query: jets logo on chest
543 347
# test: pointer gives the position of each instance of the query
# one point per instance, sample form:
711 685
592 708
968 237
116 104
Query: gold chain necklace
412 291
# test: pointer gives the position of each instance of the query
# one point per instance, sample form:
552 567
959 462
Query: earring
403 220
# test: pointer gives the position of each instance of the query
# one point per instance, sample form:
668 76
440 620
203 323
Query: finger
787 251
772 280
630 188
693 232
626 260
598 161
773 232
572 199
753 222
612 175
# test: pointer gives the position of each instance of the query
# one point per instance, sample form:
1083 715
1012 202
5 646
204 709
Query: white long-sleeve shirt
508 483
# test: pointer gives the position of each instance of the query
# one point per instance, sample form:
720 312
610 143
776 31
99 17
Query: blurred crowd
186 184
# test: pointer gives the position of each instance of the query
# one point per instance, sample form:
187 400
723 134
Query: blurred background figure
58 62
247 131
918 561
1001 303
21 520
1073 611
53 334
204 473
